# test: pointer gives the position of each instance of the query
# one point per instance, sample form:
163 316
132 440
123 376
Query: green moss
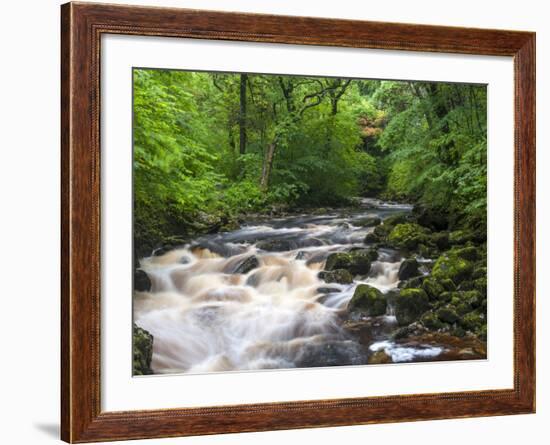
368 222
357 262
453 267
448 284
440 239
142 351
430 321
340 276
481 286
447 314
410 305
367 300
479 272
407 236
459 237
468 253
473 321
433 288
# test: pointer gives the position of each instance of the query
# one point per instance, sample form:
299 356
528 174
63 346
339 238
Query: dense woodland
212 147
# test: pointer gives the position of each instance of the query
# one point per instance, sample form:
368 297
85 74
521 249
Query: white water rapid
251 299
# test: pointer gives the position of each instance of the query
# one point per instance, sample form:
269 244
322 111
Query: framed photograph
275 222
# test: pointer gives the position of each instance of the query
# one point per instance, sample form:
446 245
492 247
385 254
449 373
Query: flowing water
251 299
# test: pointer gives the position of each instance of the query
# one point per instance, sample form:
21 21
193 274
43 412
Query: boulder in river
142 351
247 265
410 304
408 269
367 222
340 276
142 283
367 300
357 262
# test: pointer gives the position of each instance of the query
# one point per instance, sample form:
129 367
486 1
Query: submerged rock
142 351
368 301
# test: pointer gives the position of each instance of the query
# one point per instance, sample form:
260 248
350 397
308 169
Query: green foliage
436 138
307 141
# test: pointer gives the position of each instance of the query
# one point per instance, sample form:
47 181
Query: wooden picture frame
82 26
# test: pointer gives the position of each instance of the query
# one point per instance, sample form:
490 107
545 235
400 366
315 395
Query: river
251 298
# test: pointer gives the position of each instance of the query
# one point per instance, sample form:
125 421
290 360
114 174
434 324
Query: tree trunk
242 115
268 164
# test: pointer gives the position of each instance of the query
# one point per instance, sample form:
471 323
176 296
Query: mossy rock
408 269
480 285
458 331
412 283
451 266
368 301
458 237
433 288
469 253
371 238
142 351
436 218
398 218
410 305
447 296
448 284
357 262
473 321
340 276
378 235
441 240
466 301
479 272
447 314
430 321
427 251
368 222
407 236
